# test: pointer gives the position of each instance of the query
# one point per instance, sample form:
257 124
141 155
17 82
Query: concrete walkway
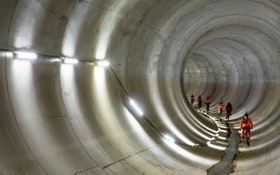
225 166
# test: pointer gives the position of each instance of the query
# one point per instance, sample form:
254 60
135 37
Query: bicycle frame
245 139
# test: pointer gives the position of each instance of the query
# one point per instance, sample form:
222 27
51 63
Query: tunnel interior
134 116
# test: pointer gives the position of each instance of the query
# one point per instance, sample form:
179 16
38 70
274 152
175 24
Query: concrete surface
66 119
226 165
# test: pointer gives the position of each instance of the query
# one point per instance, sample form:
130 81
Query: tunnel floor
226 165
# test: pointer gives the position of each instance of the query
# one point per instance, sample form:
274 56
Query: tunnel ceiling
61 118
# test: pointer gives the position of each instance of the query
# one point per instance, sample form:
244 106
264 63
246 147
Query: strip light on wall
70 61
169 138
9 54
137 109
26 55
102 63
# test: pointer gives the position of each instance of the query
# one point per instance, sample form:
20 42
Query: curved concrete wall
76 119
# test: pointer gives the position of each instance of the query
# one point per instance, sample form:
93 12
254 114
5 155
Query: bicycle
207 108
245 140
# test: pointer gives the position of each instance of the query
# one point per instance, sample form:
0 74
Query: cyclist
199 101
221 107
246 124
229 109
207 102
192 99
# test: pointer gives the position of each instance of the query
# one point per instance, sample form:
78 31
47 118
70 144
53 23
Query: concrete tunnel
63 119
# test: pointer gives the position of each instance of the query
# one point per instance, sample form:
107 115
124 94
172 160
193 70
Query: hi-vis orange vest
246 123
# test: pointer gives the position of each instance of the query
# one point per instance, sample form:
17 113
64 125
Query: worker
246 124
221 107
229 109
199 101
207 102
192 99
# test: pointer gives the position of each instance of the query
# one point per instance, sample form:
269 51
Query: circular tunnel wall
61 118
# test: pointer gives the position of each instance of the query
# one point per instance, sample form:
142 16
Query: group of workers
245 122
207 102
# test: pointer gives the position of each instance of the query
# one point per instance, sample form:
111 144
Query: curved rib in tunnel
61 118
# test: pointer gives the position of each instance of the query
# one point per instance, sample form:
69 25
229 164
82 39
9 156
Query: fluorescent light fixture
54 59
137 109
102 63
169 138
70 60
9 54
26 55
